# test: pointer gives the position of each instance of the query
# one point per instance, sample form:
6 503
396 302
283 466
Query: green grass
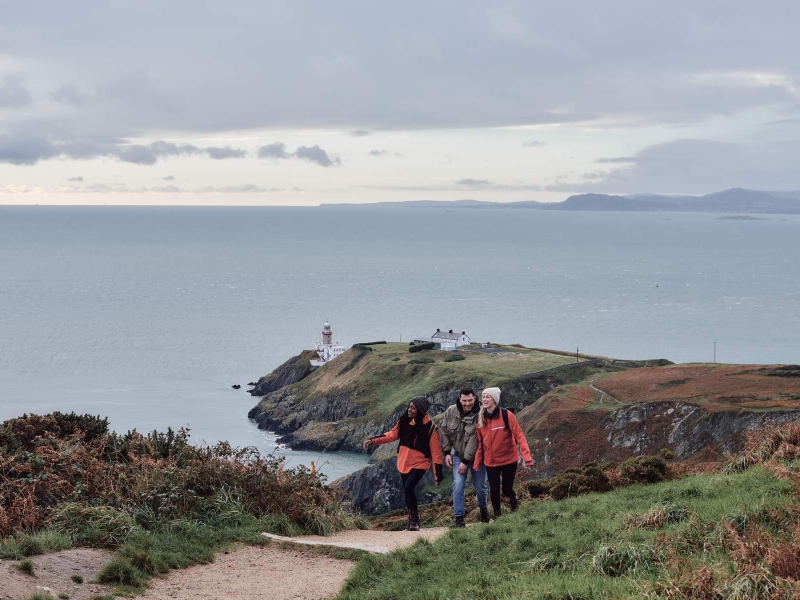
30 544
27 567
583 547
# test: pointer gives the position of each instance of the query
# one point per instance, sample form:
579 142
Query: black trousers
410 481
507 473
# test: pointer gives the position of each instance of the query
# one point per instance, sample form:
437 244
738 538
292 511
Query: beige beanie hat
494 392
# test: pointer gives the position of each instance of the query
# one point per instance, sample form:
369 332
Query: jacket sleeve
387 438
519 437
447 443
436 455
478 460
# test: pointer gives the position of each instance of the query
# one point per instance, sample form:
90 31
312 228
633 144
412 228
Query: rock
293 370
378 488
236 386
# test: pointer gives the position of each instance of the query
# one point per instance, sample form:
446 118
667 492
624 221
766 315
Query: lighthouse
328 349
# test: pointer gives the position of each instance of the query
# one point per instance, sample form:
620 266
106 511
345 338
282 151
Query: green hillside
704 536
387 375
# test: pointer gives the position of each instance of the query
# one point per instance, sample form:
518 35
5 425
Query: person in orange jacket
419 448
499 434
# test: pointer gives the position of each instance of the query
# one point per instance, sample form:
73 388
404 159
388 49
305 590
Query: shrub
77 578
454 357
26 566
629 559
575 482
122 572
370 343
93 525
537 487
40 596
666 454
63 596
421 361
644 469
420 347
91 426
656 518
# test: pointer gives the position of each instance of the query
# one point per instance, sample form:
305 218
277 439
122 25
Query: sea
148 315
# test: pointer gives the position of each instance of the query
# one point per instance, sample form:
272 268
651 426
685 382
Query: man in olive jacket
459 444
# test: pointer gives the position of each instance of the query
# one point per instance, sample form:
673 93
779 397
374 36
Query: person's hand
367 444
462 469
448 460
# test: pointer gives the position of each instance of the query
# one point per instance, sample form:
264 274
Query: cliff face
335 421
293 370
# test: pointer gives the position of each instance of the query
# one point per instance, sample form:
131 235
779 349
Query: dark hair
468 391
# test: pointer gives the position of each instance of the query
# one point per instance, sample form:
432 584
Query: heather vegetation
158 501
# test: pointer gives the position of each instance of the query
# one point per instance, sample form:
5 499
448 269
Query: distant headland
734 200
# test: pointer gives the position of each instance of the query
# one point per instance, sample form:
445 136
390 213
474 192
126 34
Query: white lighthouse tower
328 349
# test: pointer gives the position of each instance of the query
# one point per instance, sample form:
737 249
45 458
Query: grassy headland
384 376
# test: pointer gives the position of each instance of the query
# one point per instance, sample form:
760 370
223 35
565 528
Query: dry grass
747 386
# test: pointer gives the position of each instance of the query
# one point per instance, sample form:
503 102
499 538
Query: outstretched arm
390 436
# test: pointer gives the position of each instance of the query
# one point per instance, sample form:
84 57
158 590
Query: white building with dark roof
450 340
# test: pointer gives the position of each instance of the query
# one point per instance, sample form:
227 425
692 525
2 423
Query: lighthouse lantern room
328 349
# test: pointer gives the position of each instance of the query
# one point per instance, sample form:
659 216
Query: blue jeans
460 482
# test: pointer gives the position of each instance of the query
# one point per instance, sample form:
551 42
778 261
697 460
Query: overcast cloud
622 96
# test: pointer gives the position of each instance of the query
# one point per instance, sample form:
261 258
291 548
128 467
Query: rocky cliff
293 370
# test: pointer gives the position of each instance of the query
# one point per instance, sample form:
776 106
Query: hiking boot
514 504
497 513
459 522
413 521
484 514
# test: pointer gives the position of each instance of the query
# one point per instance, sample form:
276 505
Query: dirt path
273 572
53 573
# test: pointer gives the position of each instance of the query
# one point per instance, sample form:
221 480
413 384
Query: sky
302 103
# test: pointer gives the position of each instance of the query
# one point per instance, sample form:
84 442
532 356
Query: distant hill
734 200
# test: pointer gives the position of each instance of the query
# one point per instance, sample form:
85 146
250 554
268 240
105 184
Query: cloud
317 155
359 133
533 144
695 166
378 152
166 189
226 152
474 182
120 188
22 149
13 92
68 93
78 179
25 150
314 154
248 188
275 150
168 178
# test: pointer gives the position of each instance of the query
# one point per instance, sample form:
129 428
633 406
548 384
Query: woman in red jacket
499 434
419 447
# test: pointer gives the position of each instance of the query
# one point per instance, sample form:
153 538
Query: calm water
149 315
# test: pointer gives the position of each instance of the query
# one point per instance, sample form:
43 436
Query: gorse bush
644 469
420 347
96 491
421 361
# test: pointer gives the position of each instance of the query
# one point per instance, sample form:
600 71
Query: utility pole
577 354
715 352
